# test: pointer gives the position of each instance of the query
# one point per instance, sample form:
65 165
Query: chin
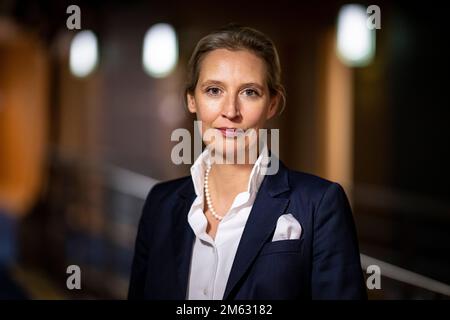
229 150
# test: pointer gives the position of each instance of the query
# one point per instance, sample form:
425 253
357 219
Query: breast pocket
276 272
282 246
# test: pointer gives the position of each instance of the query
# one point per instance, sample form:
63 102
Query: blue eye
250 92
213 91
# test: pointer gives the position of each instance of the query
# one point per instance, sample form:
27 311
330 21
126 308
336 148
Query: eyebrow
211 82
217 82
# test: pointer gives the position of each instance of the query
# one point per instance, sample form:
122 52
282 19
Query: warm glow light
355 41
160 52
83 53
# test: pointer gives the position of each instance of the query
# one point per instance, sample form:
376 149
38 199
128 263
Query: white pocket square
288 228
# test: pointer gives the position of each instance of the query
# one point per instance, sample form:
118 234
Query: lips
230 132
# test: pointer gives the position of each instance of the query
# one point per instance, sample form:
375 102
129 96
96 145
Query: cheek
207 117
255 116
207 111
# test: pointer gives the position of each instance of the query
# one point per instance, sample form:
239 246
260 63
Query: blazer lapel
261 223
185 238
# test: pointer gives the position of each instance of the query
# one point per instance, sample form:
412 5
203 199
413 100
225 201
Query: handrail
403 275
129 182
138 186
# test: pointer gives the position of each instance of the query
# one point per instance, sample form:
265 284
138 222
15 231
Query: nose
230 109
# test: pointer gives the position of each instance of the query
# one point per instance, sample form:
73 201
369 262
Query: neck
230 179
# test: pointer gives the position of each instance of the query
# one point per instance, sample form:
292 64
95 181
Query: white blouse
212 259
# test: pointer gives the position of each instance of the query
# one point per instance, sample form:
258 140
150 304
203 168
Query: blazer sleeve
140 260
336 264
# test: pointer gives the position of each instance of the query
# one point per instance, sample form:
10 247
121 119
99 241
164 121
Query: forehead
232 66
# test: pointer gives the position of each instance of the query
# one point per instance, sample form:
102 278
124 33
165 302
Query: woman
230 230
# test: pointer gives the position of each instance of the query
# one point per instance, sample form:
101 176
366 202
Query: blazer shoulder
310 185
161 195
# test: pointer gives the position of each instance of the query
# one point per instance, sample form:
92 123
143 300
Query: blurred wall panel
139 112
23 119
337 118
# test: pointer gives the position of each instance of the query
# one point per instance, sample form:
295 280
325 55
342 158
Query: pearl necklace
208 196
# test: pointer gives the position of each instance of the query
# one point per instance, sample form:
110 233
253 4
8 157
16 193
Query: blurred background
86 117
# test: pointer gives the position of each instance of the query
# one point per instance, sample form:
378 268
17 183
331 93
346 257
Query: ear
191 103
273 106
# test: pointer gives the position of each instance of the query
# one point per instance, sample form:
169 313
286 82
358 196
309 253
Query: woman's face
231 93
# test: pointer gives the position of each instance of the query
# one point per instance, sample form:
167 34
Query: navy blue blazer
323 264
